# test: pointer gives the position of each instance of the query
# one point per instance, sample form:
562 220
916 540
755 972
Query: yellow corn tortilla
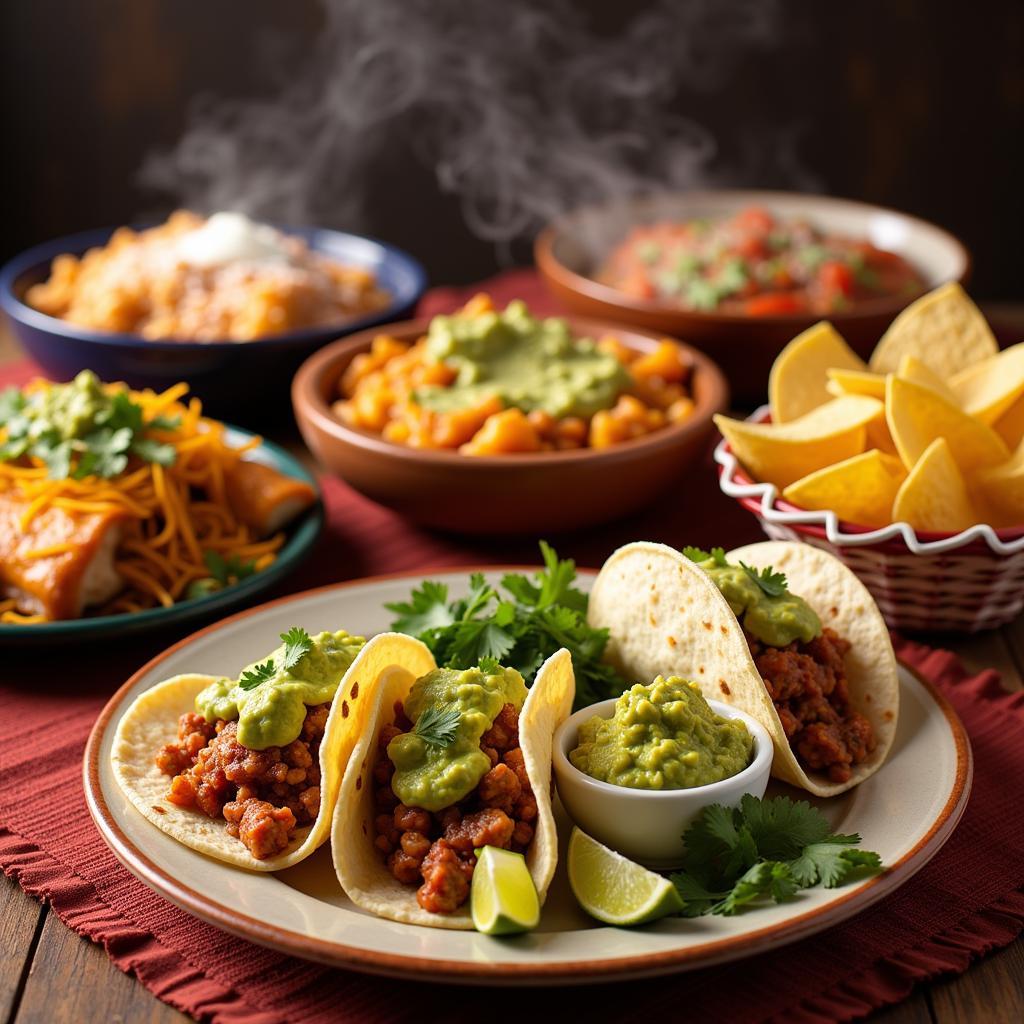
151 721
665 615
361 869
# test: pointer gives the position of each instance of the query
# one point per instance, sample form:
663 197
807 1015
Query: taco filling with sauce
802 665
452 779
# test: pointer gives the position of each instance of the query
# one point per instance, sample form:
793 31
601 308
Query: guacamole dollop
433 776
774 620
662 736
528 363
271 714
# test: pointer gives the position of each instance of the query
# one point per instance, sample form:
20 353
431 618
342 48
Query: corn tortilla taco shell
361 870
665 615
151 721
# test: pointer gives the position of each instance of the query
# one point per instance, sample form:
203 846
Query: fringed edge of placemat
165 973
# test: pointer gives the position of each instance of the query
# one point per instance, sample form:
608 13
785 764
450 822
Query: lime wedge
613 888
503 899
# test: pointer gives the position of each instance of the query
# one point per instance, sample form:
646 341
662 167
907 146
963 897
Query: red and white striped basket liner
963 582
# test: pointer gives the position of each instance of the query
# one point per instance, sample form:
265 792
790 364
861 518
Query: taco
449 762
783 631
248 770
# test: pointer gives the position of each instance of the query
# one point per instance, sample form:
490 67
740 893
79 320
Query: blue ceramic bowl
247 382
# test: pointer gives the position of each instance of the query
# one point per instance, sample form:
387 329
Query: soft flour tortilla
152 721
361 869
665 615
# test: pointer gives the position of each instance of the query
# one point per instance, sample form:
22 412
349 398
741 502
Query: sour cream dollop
232 238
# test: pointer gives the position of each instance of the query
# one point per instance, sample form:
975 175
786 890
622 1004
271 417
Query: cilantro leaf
227 571
772 583
521 623
252 678
716 555
297 644
489 666
164 423
762 849
426 609
12 402
438 725
153 451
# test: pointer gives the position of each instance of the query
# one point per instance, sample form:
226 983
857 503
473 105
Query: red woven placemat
964 903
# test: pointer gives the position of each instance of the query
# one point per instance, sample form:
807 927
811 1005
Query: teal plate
302 535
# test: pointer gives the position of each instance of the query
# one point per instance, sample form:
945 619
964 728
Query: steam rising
521 109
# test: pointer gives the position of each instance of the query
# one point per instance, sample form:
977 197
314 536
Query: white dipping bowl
647 825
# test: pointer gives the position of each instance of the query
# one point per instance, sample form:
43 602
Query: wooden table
48 975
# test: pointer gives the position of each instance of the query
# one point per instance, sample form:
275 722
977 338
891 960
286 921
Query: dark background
912 104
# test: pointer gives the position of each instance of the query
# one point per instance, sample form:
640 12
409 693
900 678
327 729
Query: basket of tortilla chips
909 468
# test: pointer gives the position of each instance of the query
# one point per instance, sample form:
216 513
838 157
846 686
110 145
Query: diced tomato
755 220
778 304
836 278
751 248
638 284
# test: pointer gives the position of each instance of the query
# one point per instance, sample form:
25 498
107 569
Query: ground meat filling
435 851
809 688
263 795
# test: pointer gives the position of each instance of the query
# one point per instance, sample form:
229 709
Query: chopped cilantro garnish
763 849
80 429
227 571
717 555
771 582
520 624
438 725
649 252
297 644
702 294
252 678
731 278
811 256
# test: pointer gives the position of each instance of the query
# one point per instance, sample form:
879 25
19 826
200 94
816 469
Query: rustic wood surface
49 974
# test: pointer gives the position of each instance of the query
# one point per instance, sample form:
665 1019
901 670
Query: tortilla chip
796 384
860 490
944 329
1010 426
151 721
782 453
1003 489
987 390
934 496
917 416
665 615
362 871
912 369
855 382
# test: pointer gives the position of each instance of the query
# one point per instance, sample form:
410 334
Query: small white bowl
647 825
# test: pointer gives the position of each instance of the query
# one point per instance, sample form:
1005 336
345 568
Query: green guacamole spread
271 714
433 776
774 620
662 736
528 363
72 408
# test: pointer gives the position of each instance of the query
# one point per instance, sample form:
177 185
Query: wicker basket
959 582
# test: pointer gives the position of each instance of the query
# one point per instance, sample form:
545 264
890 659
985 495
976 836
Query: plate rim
447 971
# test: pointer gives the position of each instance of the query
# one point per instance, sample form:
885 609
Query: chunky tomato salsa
755 264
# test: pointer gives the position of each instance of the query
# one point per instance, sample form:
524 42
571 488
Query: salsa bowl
509 493
569 251
244 381
647 825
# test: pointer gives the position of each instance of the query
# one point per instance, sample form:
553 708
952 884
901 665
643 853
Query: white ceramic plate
905 812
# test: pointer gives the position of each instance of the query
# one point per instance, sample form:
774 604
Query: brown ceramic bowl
531 493
570 250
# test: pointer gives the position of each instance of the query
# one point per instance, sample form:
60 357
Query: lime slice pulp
503 899
613 888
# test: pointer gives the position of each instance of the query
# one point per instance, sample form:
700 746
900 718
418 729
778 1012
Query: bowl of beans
738 274
493 421
228 304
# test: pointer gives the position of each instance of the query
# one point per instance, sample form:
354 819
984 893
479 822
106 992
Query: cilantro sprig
763 850
438 725
297 644
520 624
771 582
80 429
717 555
